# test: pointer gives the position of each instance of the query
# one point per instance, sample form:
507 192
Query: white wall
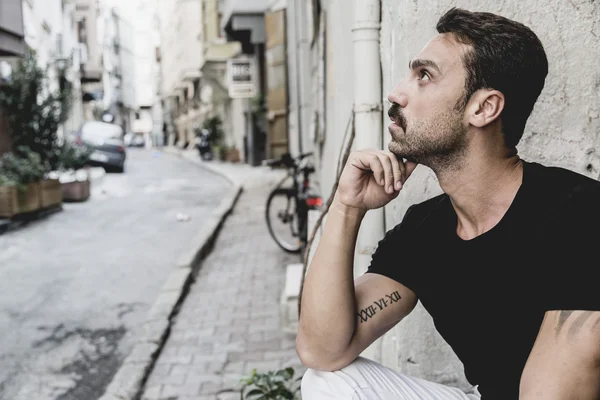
145 64
181 40
126 33
340 89
564 129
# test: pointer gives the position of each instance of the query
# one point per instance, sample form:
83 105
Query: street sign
241 74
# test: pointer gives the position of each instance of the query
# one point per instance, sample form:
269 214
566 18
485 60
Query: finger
397 169
388 170
377 168
368 161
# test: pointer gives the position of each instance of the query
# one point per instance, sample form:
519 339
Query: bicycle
287 206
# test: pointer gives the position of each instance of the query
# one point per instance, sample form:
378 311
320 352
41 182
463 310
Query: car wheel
120 169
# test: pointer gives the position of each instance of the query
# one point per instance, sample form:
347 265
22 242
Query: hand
371 179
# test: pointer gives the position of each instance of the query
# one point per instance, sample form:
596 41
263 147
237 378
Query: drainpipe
368 124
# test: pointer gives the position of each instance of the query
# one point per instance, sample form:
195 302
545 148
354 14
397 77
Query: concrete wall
339 90
563 130
299 76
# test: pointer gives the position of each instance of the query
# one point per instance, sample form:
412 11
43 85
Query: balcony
12 41
243 21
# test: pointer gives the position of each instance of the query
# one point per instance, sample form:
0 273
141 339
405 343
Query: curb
128 382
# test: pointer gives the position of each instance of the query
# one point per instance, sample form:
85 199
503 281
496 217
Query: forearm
564 363
328 309
581 383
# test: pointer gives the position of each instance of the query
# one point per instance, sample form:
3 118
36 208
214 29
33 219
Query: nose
398 96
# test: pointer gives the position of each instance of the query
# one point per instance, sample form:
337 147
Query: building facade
90 51
12 44
51 31
182 57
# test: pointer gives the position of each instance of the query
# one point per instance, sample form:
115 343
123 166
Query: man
503 260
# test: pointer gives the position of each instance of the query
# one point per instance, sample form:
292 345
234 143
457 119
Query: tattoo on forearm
369 312
562 318
577 323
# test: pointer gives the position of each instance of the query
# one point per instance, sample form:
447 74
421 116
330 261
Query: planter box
9 202
233 155
14 201
51 193
76 190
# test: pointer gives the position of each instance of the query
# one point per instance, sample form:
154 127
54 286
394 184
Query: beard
439 142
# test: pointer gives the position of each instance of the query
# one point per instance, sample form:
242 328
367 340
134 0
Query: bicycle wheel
282 220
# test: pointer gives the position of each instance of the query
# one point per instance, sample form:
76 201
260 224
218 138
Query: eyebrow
414 64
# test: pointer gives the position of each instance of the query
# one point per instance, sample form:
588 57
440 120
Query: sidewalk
229 322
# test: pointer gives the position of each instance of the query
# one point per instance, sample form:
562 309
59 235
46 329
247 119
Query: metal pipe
368 123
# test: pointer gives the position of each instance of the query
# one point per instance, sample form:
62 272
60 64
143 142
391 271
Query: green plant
34 111
272 385
74 157
215 127
259 111
22 168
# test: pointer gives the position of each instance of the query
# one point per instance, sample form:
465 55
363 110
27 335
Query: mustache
395 113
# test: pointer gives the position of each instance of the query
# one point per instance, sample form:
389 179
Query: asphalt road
75 286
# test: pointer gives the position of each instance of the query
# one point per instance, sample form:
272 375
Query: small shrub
272 385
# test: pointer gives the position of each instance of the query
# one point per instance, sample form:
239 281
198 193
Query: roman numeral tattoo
369 312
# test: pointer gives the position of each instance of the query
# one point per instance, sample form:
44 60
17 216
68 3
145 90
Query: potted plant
214 125
20 182
74 180
233 155
272 385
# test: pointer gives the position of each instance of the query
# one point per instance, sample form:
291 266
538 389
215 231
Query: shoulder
569 199
561 184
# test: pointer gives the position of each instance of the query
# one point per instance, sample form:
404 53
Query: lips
395 114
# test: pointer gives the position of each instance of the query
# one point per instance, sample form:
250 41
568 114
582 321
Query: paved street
74 287
230 323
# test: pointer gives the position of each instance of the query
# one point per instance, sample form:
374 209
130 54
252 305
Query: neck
481 190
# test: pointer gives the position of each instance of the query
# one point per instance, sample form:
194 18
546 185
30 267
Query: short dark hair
506 56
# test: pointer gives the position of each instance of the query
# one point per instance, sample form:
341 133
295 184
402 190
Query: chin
395 148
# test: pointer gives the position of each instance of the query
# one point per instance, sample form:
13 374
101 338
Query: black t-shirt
487 296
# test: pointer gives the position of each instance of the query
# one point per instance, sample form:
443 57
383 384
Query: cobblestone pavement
229 322
75 286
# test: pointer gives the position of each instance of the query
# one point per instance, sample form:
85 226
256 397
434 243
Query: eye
424 75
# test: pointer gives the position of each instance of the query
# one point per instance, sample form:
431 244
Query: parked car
107 141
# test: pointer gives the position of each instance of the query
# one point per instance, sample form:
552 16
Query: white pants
364 379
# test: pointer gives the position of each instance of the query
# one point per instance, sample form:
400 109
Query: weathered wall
339 91
563 129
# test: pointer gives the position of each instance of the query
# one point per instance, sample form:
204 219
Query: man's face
427 105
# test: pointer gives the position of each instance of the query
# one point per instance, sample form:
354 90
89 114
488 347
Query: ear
485 107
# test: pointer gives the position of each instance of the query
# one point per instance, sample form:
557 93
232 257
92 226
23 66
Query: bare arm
340 317
564 363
